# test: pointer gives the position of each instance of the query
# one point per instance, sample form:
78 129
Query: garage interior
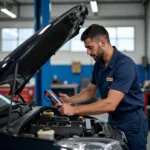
70 69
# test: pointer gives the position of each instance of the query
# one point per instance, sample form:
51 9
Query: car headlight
90 144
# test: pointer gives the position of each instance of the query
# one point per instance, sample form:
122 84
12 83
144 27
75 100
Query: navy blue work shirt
121 75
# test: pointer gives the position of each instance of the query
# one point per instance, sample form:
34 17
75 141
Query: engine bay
39 122
63 126
29 120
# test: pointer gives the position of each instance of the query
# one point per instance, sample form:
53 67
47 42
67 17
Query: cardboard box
76 67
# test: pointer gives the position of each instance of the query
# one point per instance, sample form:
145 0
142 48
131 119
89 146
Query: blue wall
64 72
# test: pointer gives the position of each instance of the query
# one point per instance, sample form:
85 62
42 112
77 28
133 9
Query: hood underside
36 51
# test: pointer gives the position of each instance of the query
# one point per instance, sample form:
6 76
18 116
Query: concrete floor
148 141
104 117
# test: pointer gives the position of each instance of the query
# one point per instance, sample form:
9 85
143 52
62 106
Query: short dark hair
94 31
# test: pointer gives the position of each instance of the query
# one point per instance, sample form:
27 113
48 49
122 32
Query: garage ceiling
65 2
18 3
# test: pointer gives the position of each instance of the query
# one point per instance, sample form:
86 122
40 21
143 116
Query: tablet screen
52 96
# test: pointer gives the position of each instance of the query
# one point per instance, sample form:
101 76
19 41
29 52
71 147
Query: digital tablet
50 94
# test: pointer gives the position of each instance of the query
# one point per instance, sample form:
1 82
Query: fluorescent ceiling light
9 13
94 6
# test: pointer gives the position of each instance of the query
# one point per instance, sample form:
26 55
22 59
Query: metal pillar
41 11
37 26
45 14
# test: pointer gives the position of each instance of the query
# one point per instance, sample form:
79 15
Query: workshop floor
148 141
104 117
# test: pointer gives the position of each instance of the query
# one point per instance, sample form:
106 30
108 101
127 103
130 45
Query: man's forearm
83 96
99 107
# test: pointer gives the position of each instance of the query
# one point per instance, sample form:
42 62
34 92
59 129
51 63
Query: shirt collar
113 58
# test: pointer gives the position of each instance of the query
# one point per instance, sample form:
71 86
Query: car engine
47 123
67 127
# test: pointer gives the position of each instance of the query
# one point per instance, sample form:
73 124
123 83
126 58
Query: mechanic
116 77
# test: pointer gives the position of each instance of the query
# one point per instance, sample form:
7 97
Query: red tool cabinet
27 93
146 100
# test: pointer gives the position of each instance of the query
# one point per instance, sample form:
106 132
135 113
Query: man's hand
67 109
65 98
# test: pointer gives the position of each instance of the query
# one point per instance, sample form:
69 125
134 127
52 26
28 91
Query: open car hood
36 50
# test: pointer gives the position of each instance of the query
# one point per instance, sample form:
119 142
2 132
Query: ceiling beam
18 7
1 3
99 2
116 17
145 2
8 4
78 2
16 2
24 19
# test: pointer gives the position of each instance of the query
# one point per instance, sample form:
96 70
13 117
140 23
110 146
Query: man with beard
116 78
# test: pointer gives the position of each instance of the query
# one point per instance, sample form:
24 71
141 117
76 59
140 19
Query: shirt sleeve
93 81
124 77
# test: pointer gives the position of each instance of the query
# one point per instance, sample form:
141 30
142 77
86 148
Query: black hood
36 50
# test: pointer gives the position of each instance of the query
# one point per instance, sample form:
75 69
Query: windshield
4 102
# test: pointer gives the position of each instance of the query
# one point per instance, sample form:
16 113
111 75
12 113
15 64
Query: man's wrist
75 110
71 101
